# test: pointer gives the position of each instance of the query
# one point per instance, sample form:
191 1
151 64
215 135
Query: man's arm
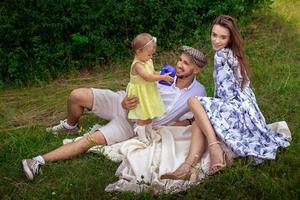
130 103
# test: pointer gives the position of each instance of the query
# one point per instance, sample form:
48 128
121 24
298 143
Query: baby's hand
168 78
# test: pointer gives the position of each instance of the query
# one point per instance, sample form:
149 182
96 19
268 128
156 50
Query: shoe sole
27 171
49 130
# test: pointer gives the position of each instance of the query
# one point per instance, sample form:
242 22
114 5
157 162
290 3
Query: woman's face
220 37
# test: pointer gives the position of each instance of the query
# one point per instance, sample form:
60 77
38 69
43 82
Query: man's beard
184 76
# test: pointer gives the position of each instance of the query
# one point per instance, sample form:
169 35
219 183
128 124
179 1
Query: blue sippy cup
167 69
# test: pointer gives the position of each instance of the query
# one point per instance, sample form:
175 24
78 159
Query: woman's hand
130 103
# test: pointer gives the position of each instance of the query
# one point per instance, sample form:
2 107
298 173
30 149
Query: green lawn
272 41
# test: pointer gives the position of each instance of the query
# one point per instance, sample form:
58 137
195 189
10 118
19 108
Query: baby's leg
152 134
142 132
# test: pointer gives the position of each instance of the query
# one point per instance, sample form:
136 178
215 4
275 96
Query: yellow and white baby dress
150 103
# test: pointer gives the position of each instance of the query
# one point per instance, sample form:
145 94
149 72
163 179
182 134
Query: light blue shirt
175 101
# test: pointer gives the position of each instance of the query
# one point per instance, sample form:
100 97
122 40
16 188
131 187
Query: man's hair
197 56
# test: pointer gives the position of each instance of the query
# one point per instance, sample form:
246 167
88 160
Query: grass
272 45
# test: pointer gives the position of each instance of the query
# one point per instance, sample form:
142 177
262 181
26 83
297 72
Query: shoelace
36 168
63 125
59 126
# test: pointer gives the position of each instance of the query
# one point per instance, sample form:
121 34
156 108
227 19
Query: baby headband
153 39
198 57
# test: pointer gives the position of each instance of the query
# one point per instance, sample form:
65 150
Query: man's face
186 67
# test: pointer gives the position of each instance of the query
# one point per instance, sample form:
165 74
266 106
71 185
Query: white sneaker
31 168
62 126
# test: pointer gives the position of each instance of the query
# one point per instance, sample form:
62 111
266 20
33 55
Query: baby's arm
151 77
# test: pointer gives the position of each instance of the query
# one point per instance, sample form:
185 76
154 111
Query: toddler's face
146 53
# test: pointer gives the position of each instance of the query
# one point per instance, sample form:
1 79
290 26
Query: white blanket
142 165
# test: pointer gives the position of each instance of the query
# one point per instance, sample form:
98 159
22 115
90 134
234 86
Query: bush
41 39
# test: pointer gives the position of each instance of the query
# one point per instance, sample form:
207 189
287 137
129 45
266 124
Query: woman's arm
226 86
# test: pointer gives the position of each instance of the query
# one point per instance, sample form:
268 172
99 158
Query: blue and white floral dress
235 115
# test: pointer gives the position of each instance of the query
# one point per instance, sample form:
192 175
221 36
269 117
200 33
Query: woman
232 116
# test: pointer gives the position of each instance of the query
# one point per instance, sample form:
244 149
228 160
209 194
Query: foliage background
41 40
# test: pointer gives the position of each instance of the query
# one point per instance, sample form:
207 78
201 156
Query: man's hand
181 123
130 103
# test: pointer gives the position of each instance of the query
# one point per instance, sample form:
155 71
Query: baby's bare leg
140 130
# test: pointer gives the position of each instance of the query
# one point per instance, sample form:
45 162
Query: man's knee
82 97
95 138
76 94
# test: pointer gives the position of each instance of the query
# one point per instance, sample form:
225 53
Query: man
114 106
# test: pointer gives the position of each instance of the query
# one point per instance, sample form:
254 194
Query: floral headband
153 39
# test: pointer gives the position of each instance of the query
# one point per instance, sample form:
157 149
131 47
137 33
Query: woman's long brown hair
235 44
